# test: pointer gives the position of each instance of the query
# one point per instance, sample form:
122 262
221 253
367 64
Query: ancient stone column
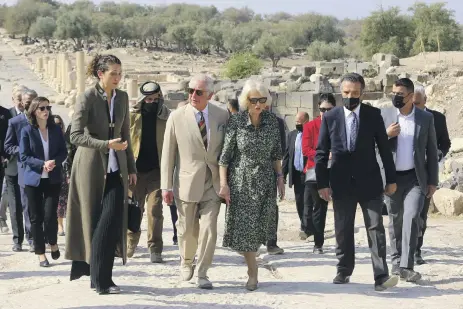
80 69
70 77
39 64
132 88
65 67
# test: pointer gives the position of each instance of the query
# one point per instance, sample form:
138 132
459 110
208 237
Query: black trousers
344 223
107 232
299 188
43 205
423 225
315 213
13 195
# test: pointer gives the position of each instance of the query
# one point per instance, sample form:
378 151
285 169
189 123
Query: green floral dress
249 153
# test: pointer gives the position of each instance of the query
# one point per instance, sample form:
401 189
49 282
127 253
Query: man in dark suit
293 165
15 125
272 246
350 132
443 147
412 138
4 117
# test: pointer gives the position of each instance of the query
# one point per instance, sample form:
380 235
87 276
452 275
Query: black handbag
134 216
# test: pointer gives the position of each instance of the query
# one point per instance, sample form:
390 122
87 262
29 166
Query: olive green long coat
90 133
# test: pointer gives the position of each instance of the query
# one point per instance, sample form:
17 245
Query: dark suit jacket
281 127
15 125
33 157
354 172
5 116
442 133
12 166
288 158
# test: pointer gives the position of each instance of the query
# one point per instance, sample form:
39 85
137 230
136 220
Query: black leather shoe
386 283
111 290
44 264
17 248
409 275
419 260
55 254
318 250
395 270
341 279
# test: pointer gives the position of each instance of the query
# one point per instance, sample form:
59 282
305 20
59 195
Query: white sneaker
204 283
187 271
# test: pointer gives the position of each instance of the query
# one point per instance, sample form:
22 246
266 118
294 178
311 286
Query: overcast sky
340 8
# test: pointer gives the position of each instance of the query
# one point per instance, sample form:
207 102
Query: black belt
403 173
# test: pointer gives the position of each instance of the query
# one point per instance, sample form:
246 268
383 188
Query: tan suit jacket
184 159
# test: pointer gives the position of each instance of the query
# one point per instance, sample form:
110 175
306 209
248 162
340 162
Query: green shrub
242 65
321 51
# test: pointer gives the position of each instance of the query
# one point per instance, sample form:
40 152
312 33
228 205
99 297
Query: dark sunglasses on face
43 108
198 92
260 100
324 109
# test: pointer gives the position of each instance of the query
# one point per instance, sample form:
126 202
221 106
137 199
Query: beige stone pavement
297 279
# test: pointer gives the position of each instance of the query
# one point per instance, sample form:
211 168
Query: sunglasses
43 108
324 110
198 92
260 100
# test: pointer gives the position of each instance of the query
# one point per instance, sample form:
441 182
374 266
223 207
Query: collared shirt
206 119
298 157
349 117
17 110
405 140
112 159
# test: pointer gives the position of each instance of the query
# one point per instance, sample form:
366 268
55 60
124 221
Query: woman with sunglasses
250 166
315 206
42 150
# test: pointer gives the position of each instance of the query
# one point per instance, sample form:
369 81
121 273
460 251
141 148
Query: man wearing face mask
293 165
350 133
412 139
148 119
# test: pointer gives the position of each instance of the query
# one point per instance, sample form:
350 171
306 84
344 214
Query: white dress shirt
112 159
348 120
46 151
206 119
17 110
404 156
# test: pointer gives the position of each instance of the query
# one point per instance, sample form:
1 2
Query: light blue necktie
298 158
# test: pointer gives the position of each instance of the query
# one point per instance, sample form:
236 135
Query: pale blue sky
340 8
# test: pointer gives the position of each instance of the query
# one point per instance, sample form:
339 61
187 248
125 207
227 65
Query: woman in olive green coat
102 169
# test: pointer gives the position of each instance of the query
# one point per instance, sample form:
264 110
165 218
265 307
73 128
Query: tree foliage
272 47
43 28
387 31
322 51
242 65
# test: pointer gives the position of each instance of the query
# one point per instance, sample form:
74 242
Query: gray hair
420 90
19 90
30 92
353 78
202 78
249 86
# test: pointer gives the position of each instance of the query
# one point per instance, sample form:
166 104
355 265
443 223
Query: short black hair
354 78
327 97
234 104
405 82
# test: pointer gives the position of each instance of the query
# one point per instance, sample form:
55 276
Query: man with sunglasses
412 139
13 135
193 143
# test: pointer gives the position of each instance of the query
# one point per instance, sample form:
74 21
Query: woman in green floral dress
250 167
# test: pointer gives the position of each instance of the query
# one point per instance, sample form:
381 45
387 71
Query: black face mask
351 103
150 107
299 127
398 101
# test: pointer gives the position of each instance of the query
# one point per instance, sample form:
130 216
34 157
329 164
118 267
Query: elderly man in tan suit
189 172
